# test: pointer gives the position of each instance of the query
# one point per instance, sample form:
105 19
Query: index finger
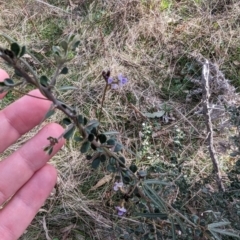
3 75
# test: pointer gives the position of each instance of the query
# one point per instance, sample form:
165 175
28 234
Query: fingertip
3 76
49 175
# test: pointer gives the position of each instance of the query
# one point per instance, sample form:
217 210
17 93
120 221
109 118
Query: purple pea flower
110 80
117 185
115 85
121 210
122 80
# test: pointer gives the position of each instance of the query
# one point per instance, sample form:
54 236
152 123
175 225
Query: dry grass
149 41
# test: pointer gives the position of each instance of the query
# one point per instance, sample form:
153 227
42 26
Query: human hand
25 175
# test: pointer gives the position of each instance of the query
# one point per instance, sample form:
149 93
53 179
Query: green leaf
122 159
49 113
80 119
155 114
118 147
85 120
93 146
112 161
102 138
103 158
64 71
66 88
17 73
64 45
9 82
155 181
78 139
218 224
94 131
111 142
85 147
15 48
133 168
142 173
154 197
173 229
111 168
225 232
162 216
48 150
66 121
126 179
95 163
23 51
44 81
56 50
75 45
68 134
92 124
111 133
90 137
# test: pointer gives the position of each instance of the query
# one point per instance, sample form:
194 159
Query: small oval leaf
102 138
66 121
122 159
118 147
133 168
111 168
64 71
103 158
85 147
64 45
44 81
67 135
15 48
66 88
111 142
23 51
9 82
95 163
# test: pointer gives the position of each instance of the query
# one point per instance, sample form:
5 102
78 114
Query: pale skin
25 176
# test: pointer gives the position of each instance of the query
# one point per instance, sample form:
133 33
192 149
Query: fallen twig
207 115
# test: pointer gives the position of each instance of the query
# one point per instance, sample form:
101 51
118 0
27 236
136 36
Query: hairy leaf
95 163
111 168
85 147
44 81
9 82
66 88
162 216
66 121
15 48
102 138
155 114
64 71
133 168
68 134
23 51
118 147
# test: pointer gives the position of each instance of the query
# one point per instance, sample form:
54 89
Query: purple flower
122 80
121 210
110 80
117 185
114 86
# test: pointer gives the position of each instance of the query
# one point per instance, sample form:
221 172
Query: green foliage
44 81
85 147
